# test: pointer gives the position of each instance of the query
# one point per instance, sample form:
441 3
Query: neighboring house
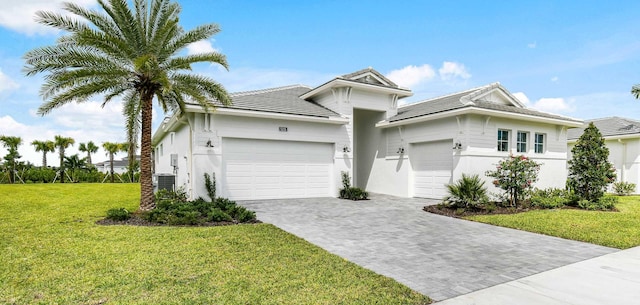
293 142
119 166
622 138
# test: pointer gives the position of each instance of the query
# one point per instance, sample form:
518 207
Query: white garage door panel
432 165
265 169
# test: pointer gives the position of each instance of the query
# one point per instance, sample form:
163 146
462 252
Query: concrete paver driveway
439 256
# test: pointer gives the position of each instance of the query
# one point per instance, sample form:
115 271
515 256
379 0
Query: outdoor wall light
457 145
400 150
209 144
346 149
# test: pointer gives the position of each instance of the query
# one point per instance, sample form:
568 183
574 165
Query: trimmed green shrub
468 192
624 188
606 203
551 198
218 215
118 214
349 192
173 208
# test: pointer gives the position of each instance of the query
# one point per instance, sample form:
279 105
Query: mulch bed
459 213
138 221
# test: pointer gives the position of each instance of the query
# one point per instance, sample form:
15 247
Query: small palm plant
467 193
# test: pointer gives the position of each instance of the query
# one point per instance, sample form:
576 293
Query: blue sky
575 58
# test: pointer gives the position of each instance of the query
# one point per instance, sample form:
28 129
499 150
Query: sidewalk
609 279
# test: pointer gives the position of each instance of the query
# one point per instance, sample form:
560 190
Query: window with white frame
503 140
521 142
539 143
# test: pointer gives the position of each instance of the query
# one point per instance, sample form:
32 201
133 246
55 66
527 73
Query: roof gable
492 97
369 76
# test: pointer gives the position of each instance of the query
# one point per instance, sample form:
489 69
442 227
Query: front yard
52 251
612 229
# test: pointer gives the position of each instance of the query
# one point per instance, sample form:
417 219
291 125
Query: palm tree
89 148
62 143
133 52
112 149
73 163
11 143
45 147
635 90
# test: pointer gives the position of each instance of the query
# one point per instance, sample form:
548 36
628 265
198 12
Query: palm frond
635 90
185 62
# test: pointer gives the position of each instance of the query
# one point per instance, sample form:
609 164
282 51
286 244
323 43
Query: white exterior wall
209 159
176 144
479 150
481 153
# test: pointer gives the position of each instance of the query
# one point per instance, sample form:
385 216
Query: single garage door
266 169
432 165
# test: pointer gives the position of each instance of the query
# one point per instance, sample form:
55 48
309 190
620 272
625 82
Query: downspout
190 156
624 160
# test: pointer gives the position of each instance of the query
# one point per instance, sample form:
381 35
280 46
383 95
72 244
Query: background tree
73 163
12 156
134 52
62 143
44 147
635 90
589 169
516 176
89 148
112 149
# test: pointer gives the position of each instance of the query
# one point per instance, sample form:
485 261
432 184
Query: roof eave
338 82
613 137
481 111
282 116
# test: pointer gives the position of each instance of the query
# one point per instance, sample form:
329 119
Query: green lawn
612 229
52 252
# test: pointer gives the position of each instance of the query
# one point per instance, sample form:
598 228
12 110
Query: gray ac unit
165 182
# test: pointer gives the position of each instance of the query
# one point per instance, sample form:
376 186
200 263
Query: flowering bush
515 175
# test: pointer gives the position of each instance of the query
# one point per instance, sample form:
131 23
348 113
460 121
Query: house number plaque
283 129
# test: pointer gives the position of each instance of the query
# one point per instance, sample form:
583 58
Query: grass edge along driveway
611 229
53 252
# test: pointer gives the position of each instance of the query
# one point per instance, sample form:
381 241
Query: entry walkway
609 279
438 256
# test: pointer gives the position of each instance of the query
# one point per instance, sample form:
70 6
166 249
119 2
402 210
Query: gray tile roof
455 101
278 100
613 126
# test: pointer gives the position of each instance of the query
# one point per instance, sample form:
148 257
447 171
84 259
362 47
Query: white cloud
20 15
532 45
202 46
6 83
556 105
452 70
554 79
522 98
410 76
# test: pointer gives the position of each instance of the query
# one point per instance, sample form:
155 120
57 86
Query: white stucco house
622 138
293 142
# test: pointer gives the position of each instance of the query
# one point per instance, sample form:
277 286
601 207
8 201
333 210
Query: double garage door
432 165
266 169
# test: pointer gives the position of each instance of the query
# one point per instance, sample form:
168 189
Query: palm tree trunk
146 180
44 159
111 163
61 165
